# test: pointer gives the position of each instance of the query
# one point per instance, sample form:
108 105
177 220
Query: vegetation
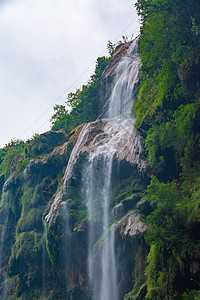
169 51
167 113
33 171
8 156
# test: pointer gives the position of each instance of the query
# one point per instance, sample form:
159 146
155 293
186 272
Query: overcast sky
46 45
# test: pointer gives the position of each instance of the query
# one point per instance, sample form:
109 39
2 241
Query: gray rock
132 225
126 205
120 51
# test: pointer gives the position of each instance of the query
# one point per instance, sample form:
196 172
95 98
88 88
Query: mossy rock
73 135
25 252
45 143
144 207
1 182
140 295
127 204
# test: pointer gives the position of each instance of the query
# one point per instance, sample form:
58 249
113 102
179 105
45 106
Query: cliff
108 208
45 223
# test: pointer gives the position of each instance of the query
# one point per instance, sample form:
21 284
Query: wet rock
117 138
45 143
114 136
57 151
126 205
1 181
144 207
132 225
118 54
142 292
73 135
7 184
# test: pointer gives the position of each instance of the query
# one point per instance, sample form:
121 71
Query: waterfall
96 188
97 178
125 77
67 236
59 195
104 141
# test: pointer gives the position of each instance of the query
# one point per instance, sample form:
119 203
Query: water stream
67 236
97 178
125 77
104 141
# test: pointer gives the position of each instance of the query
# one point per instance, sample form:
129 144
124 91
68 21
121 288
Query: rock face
25 195
118 54
100 138
45 143
118 135
44 218
131 225
38 255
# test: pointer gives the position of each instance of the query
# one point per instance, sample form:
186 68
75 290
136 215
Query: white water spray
125 77
101 264
59 195
97 177
104 141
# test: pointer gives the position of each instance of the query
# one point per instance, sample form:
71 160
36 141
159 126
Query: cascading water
97 189
125 78
97 179
59 196
105 141
67 236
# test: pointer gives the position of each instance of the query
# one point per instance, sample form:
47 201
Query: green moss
44 143
27 249
191 295
82 217
13 156
31 217
53 242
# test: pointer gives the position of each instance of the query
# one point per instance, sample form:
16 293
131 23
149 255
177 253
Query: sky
49 49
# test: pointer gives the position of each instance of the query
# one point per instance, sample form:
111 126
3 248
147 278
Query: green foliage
166 112
111 47
2 154
169 235
53 241
82 216
27 244
192 295
31 215
45 143
61 118
73 99
176 134
25 263
168 44
11 155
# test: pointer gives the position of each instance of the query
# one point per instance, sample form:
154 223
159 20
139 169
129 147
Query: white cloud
45 46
